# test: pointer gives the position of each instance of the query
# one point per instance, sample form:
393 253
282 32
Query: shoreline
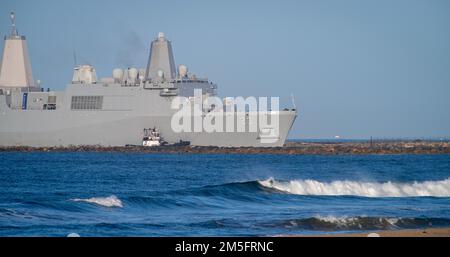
290 148
427 232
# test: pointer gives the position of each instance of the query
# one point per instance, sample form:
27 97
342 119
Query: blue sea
137 194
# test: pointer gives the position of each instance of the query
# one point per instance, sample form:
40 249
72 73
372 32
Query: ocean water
132 194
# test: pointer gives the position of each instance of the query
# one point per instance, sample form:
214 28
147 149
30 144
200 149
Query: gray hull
126 112
129 131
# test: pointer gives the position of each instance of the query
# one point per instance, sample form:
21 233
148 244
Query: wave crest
332 223
367 189
110 201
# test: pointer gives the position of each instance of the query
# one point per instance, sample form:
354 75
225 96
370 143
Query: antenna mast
13 25
75 59
293 101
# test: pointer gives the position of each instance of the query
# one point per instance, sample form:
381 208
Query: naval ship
112 111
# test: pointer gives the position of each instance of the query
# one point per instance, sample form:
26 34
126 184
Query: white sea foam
346 221
439 188
110 201
338 220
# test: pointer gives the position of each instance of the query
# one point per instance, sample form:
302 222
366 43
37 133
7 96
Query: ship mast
13 25
15 66
161 64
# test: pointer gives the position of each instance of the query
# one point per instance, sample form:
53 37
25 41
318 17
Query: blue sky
358 68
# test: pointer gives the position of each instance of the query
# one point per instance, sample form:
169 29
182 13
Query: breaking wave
331 223
110 201
367 189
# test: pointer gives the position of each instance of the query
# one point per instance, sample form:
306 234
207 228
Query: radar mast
13 25
15 66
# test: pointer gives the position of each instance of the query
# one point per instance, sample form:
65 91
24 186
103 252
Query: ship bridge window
87 102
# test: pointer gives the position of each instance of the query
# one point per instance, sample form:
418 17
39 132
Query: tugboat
152 138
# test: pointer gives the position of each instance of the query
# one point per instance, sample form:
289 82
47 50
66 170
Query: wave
331 223
260 191
367 189
110 201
